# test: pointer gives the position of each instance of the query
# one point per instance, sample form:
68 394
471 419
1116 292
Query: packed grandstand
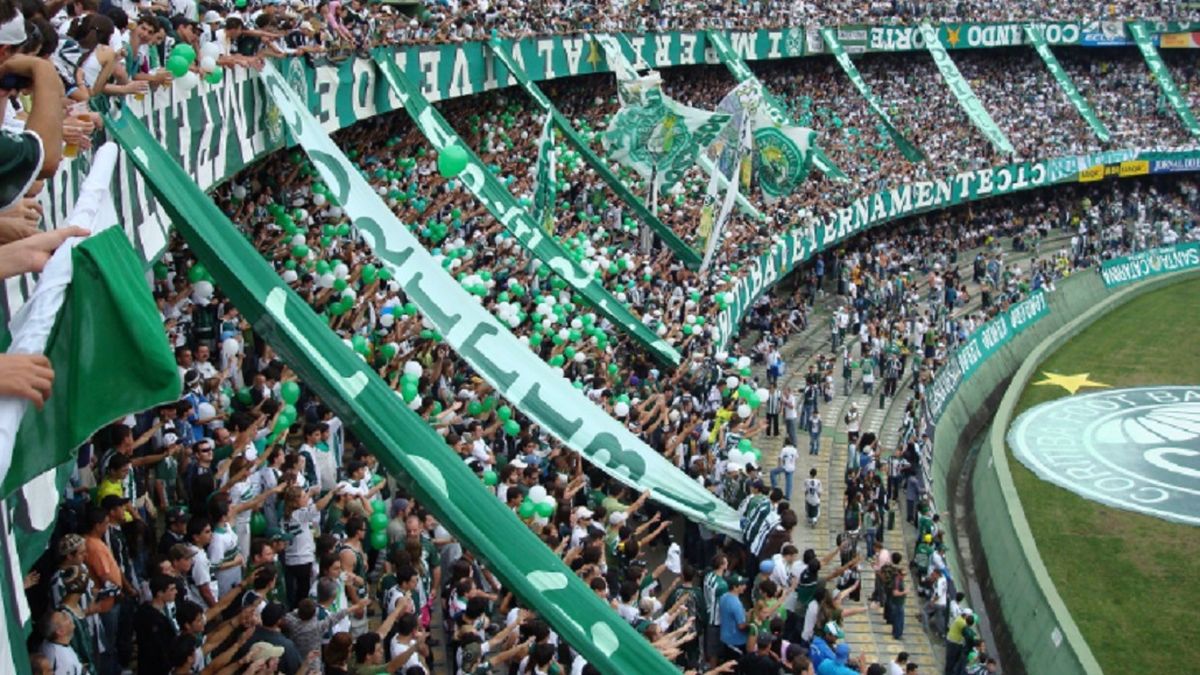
662 353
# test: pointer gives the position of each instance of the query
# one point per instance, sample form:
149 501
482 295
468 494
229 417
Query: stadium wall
1033 628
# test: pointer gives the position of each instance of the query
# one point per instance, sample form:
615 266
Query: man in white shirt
812 497
791 413
934 615
899 666
786 468
58 629
583 520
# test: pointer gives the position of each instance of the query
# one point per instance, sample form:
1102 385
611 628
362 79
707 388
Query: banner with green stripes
672 241
511 367
967 99
409 448
910 151
1145 42
1037 38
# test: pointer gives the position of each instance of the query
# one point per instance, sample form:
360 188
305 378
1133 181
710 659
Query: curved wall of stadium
1031 624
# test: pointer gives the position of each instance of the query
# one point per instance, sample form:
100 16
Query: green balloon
504 413
369 273
244 396
378 505
490 478
177 66
474 408
512 428
289 392
544 509
215 76
527 509
197 272
379 521
452 160
379 538
745 445
300 251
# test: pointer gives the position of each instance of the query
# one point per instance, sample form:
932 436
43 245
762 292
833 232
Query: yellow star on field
594 54
1072 383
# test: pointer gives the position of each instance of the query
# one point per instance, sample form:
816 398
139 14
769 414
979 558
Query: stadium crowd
191 543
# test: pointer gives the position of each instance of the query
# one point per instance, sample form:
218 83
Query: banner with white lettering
962 91
1145 42
1037 38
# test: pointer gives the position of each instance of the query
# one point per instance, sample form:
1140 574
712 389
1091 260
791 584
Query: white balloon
208 63
743 362
326 280
387 320
335 211
580 357
187 83
230 347
297 240
202 292
537 494
205 411
350 293
513 320
413 368
730 297
576 324
319 199
743 411
621 409
210 49
731 382
341 271
239 191
762 394
289 276
415 404
721 356
673 415
736 456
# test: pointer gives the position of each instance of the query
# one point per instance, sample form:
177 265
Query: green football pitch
1129 580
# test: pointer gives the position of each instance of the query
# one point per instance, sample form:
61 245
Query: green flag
967 99
1037 38
1162 75
545 179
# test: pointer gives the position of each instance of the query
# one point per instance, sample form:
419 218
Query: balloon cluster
378 523
537 503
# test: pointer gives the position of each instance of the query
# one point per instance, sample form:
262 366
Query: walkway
867 633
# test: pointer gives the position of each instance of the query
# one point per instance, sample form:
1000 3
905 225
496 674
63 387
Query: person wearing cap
734 629
582 522
269 632
842 664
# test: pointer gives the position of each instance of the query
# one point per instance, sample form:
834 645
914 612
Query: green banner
967 99
1145 42
515 219
672 241
432 471
1037 38
1156 261
910 151
545 178
779 138
980 346
512 368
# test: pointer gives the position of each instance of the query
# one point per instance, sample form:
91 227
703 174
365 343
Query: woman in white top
300 518
97 63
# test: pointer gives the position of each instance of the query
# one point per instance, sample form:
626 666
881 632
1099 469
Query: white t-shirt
224 547
63 659
939 592
399 647
301 549
812 491
202 573
787 458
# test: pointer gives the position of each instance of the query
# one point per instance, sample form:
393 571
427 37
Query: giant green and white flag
966 97
783 152
92 315
545 178
1145 42
656 136
911 152
496 198
728 153
429 469
515 371
1037 38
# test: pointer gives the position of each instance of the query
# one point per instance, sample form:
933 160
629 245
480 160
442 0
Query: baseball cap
617 517
178 21
170 439
276 534
177 514
12 32
583 512
211 16
113 501
736 580
518 463
842 653
262 651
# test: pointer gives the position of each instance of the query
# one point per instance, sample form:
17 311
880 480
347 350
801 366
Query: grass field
1131 581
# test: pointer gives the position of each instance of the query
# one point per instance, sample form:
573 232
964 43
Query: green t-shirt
21 158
